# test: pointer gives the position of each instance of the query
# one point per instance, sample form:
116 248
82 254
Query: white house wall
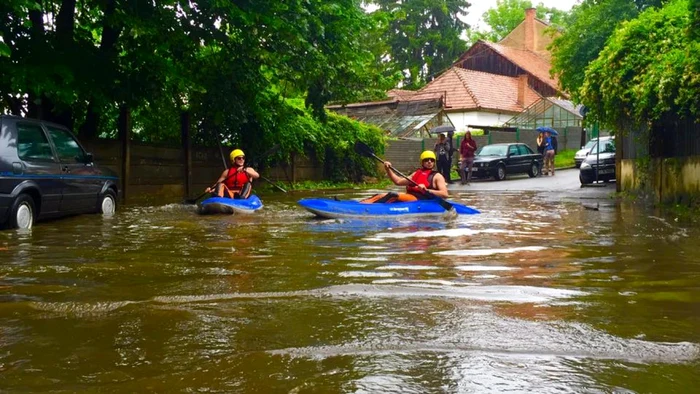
460 120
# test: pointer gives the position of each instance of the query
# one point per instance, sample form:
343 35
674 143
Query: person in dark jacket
442 151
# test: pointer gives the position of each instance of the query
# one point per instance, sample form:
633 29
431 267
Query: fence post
124 130
186 150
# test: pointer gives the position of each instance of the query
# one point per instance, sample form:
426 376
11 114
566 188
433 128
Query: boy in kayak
235 182
426 183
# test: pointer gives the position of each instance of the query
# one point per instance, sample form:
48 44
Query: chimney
530 14
522 88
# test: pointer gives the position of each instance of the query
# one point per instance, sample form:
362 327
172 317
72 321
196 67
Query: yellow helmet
235 153
428 154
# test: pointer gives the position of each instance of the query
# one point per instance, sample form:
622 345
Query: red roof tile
469 89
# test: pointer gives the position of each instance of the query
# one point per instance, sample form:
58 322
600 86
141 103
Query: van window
66 146
32 144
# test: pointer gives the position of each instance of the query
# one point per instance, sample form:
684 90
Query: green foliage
422 36
231 66
508 14
648 68
589 26
564 158
331 142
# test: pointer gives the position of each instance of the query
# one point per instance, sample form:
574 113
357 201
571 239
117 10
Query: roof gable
468 89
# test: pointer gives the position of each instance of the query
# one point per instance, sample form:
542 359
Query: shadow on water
533 294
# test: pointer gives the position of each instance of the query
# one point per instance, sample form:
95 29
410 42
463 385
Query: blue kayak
329 208
223 205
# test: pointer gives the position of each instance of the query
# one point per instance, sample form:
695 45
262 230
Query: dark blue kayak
329 208
223 205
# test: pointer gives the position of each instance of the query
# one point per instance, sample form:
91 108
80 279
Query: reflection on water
532 295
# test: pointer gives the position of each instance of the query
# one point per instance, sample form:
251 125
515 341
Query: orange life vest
236 180
421 177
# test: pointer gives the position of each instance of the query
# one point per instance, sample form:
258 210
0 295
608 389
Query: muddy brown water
532 295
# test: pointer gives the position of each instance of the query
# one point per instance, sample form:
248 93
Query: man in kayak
426 183
235 182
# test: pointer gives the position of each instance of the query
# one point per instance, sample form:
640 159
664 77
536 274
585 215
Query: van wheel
108 203
534 170
22 213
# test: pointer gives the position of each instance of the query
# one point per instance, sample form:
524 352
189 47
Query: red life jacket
236 180
421 177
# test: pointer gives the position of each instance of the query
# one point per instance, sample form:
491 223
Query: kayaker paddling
235 182
423 184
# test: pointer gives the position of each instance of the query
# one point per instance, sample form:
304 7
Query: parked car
602 163
581 154
499 160
46 173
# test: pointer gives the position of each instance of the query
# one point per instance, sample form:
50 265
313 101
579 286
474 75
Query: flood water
536 294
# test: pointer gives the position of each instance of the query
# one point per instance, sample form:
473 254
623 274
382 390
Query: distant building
491 83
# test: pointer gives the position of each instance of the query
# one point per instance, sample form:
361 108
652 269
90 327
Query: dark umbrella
543 129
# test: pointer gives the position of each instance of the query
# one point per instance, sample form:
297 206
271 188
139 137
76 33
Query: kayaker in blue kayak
235 182
429 183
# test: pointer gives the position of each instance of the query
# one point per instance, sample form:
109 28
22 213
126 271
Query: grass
564 159
328 185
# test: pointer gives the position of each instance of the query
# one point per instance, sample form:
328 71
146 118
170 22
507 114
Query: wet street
552 288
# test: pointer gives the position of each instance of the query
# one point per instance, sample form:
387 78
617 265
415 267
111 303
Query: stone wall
159 171
673 180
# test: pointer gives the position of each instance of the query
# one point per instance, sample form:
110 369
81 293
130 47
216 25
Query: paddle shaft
273 184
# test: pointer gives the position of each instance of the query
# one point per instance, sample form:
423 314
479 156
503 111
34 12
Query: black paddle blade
363 149
444 203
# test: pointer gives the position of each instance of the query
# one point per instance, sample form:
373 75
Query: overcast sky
478 7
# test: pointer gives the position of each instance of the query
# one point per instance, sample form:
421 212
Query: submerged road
565 184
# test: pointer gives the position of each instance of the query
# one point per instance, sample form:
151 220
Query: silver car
581 154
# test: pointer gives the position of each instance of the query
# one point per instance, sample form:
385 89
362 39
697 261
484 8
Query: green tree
590 25
423 36
508 14
642 75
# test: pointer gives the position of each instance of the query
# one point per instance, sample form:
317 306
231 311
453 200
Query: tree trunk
110 35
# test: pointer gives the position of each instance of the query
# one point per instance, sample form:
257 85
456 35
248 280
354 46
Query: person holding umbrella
550 144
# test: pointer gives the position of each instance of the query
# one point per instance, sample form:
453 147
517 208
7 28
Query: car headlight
585 166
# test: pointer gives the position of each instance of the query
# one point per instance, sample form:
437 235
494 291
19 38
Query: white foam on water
484 268
501 293
360 258
366 274
489 252
424 282
402 267
454 232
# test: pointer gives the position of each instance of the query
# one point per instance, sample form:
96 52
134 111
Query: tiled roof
401 94
528 61
469 89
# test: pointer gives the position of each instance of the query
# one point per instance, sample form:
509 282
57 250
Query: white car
580 155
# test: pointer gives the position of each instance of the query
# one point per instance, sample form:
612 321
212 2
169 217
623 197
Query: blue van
45 173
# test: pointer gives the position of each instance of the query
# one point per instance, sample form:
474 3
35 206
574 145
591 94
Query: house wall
671 180
460 120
